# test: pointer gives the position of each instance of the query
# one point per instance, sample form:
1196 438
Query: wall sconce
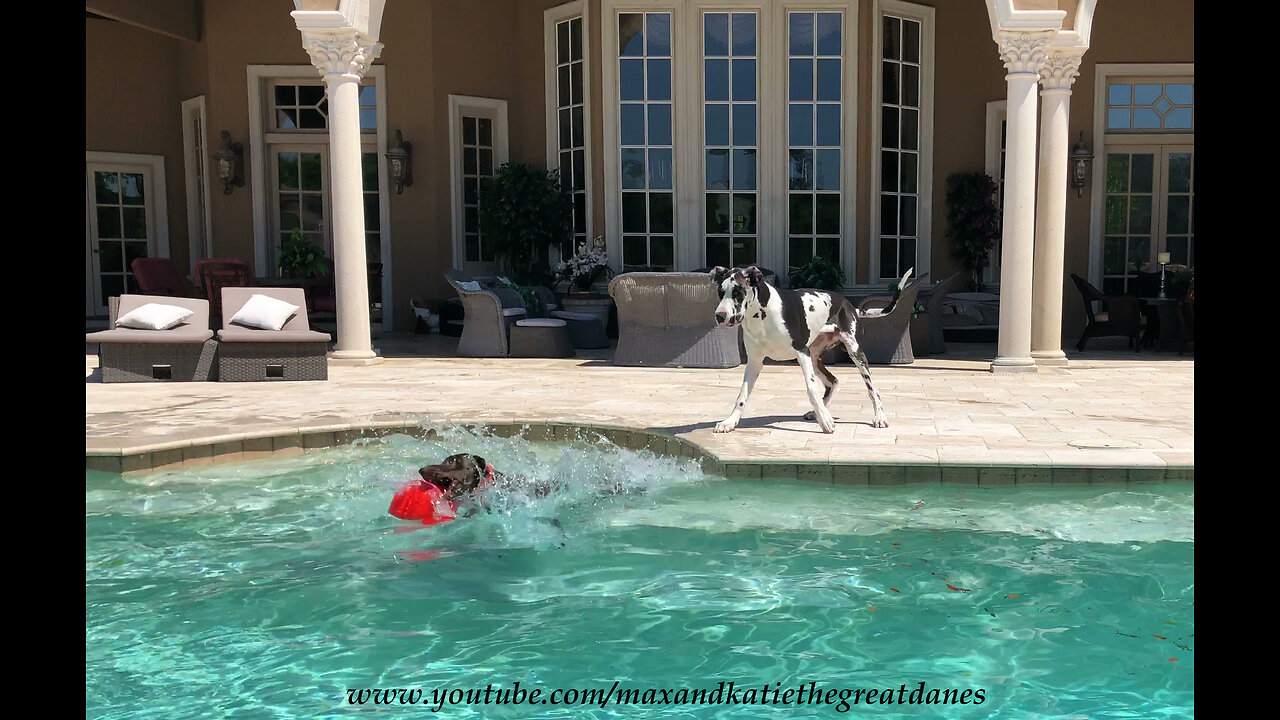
230 159
400 159
1080 157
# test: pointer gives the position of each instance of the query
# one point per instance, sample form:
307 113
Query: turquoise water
268 589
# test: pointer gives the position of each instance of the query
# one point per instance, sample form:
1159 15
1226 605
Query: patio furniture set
665 319
1170 320
164 334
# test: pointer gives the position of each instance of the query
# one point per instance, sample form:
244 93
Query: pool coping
287 441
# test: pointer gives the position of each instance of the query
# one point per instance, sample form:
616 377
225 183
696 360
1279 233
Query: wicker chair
294 352
937 343
187 352
220 272
159 276
668 319
489 315
1120 315
885 338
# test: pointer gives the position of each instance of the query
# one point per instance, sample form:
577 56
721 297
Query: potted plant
523 212
580 272
821 274
301 258
973 222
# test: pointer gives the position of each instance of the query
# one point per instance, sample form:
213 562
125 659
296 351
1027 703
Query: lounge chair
187 352
294 352
1119 315
668 319
885 337
489 315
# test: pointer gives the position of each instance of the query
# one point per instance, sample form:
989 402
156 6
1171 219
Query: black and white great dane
790 324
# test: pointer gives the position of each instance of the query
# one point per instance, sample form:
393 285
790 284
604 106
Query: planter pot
920 340
593 303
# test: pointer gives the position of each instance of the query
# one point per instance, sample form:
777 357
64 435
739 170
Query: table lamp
1163 259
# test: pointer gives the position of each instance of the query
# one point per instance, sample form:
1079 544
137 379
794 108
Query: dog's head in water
458 474
740 289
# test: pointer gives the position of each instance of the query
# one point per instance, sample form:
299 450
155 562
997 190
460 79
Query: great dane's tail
896 289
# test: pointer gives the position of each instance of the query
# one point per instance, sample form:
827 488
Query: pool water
269 589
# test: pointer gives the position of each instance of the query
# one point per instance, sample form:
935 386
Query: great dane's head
740 289
458 474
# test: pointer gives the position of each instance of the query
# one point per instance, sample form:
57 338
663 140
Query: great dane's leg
829 380
860 359
754 364
815 396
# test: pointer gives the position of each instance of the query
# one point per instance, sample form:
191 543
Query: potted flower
580 272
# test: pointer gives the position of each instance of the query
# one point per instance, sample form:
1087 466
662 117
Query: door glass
120 207
477 165
1127 225
300 196
1179 221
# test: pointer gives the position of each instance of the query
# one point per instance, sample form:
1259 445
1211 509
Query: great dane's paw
879 421
725 426
827 423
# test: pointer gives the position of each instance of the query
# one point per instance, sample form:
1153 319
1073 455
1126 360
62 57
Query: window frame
925 15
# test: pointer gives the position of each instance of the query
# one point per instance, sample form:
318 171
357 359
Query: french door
478 147
120 225
1149 209
299 177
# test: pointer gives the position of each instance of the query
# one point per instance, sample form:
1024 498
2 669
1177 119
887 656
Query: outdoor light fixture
1080 157
400 159
230 159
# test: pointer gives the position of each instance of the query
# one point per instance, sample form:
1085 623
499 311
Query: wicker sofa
668 320
187 352
294 352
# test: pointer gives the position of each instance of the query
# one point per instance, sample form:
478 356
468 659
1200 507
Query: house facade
691 133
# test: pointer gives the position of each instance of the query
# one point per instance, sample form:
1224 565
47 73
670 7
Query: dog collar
488 475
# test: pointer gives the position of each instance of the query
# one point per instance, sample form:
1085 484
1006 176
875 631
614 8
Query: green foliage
973 222
894 291
300 258
523 211
532 302
819 273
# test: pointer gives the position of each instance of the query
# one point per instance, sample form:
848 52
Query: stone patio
1112 416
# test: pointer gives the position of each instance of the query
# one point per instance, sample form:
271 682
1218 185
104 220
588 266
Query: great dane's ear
755 276
718 274
481 464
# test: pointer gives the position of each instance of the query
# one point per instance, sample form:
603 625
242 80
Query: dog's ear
718 274
755 277
481 464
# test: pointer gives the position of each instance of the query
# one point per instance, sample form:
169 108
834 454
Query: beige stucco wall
133 105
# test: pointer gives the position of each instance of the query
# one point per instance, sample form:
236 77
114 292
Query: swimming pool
270 589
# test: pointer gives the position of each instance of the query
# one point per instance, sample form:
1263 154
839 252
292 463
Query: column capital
340 52
1060 70
1023 53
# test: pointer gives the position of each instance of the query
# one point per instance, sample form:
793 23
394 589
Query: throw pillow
154 316
265 313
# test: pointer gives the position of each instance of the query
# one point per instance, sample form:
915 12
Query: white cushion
470 286
265 313
512 312
1102 316
541 322
154 316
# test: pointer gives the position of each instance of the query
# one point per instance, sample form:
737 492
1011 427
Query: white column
1023 54
342 57
1059 72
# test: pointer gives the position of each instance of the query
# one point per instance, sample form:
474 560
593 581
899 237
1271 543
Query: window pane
662 252
718 251
1117 172
1117 214
828 125
1118 119
889 124
660 124
660 79
800 124
635 250
1179 214
631 79
660 170
715 36
717 124
1118 94
1145 93
562 42
286 95
1113 256
1179 172
827 214
106 187
744 169
911 41
888 216
892 38
744 34
1179 93
801 213
718 213
1140 214
829 79
800 251
890 80
109 222
744 213
715 80
717 169
630 34
907 216
634 212
1145 118
575 83
744 79
911 85
889 171
910 129
1143 172
909 179
633 168
801 83
1178 118
800 171
828 32
744 124
631 119
658 29
888 258
661 214
801 36
311 169
827 170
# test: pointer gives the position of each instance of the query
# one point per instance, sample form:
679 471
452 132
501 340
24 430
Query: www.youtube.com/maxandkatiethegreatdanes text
806 694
